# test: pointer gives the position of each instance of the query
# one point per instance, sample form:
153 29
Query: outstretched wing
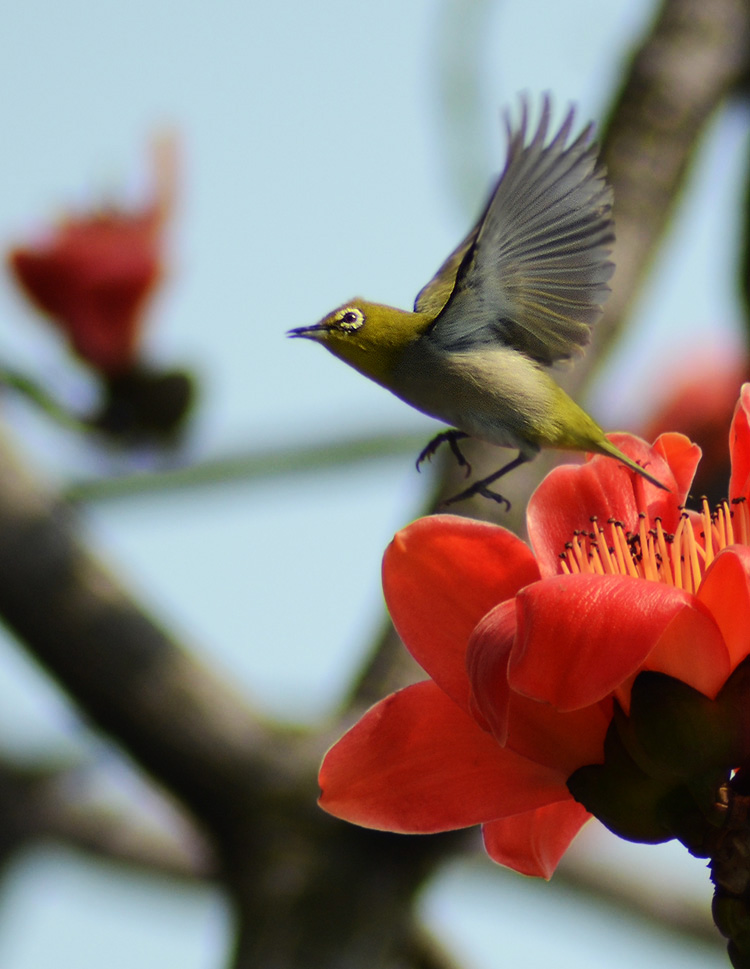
533 273
433 297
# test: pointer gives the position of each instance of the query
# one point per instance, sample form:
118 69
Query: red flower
528 651
702 409
94 273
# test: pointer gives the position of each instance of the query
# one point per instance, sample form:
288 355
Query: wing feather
533 272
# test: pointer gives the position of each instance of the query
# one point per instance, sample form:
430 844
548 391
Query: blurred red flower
699 401
527 651
93 274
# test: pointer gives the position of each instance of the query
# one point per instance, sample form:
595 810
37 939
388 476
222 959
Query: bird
517 296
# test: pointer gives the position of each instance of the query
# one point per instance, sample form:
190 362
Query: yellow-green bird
519 294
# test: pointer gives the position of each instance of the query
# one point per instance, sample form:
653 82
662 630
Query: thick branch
307 889
44 801
183 724
694 56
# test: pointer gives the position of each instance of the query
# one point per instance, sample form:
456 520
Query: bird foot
479 488
451 437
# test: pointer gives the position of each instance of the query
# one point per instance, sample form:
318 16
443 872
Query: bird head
368 336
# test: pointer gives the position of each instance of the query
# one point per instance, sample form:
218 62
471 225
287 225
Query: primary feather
533 272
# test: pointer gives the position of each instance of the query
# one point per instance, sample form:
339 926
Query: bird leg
480 487
452 437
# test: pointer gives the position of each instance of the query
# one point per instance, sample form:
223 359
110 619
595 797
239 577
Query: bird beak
307 332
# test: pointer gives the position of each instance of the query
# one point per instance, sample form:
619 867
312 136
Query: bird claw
451 437
478 489
481 487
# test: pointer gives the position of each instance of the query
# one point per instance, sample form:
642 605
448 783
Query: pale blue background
322 159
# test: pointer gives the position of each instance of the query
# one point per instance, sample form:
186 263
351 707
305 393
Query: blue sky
325 154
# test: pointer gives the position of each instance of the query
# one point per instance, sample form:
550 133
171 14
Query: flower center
678 559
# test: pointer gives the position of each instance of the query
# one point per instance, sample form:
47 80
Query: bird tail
608 448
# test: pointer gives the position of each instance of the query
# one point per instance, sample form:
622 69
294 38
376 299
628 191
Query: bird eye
351 319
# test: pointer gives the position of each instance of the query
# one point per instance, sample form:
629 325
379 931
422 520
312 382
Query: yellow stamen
605 551
694 560
650 553
570 561
720 522
708 531
661 541
649 563
596 563
617 549
580 554
727 514
676 554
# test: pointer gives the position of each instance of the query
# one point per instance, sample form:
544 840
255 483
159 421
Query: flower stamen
651 553
708 530
727 515
665 569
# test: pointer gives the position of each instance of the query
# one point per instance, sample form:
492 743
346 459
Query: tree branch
695 55
307 889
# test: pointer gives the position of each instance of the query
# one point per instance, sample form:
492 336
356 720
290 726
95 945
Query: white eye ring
350 318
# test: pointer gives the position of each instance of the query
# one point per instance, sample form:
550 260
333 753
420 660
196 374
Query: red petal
655 501
93 278
43 280
416 763
691 649
565 741
487 665
537 731
580 636
683 457
567 500
739 447
533 843
440 576
726 592
572 496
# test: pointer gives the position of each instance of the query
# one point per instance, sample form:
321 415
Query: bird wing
433 297
533 273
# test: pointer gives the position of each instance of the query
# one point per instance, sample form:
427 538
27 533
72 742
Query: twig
253 465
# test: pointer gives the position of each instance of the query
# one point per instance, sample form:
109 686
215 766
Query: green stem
250 466
27 387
